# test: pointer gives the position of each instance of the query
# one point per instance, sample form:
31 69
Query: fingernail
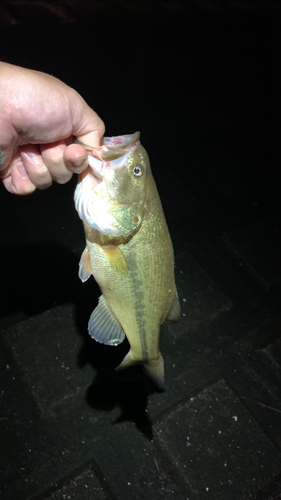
78 162
29 154
22 171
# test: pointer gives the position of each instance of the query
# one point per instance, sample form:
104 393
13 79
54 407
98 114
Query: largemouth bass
128 251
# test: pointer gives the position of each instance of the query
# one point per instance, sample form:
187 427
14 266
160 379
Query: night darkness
201 81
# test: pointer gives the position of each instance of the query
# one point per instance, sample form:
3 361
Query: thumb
92 138
89 127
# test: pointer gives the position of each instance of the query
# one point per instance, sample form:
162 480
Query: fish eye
138 170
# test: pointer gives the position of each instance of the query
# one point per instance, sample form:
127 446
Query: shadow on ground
44 275
127 389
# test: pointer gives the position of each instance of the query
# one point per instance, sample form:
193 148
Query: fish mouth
112 153
119 145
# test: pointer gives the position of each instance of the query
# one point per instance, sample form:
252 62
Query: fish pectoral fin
85 269
116 259
175 310
103 327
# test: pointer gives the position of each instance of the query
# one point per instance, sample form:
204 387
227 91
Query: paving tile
84 485
234 280
271 493
54 451
125 458
149 474
10 428
44 353
257 247
256 378
201 299
218 447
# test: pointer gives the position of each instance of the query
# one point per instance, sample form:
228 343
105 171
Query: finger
93 138
75 158
53 157
35 167
17 181
8 157
88 126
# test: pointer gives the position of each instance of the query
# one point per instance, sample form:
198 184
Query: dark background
200 79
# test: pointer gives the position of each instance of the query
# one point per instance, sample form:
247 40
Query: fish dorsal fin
175 310
85 269
116 259
103 327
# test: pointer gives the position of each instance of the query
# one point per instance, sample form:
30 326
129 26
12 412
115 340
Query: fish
128 251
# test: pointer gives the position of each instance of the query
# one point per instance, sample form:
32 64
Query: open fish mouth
120 144
112 153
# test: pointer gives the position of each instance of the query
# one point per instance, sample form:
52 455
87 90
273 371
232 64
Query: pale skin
40 116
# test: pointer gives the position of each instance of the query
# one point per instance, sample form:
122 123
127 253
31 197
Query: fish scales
134 271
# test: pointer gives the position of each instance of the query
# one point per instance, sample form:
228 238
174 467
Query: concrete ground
201 81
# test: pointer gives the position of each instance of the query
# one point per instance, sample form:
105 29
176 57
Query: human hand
40 115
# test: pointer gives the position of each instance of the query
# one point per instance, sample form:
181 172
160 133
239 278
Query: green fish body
129 252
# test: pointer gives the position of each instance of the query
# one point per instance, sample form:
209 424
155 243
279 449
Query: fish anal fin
116 259
103 327
175 309
85 269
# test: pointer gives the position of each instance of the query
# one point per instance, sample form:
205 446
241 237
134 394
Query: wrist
8 134
5 99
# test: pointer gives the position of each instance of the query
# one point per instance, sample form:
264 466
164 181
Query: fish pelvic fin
116 259
153 368
103 327
85 269
175 310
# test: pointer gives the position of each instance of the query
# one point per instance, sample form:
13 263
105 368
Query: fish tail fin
129 360
153 368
